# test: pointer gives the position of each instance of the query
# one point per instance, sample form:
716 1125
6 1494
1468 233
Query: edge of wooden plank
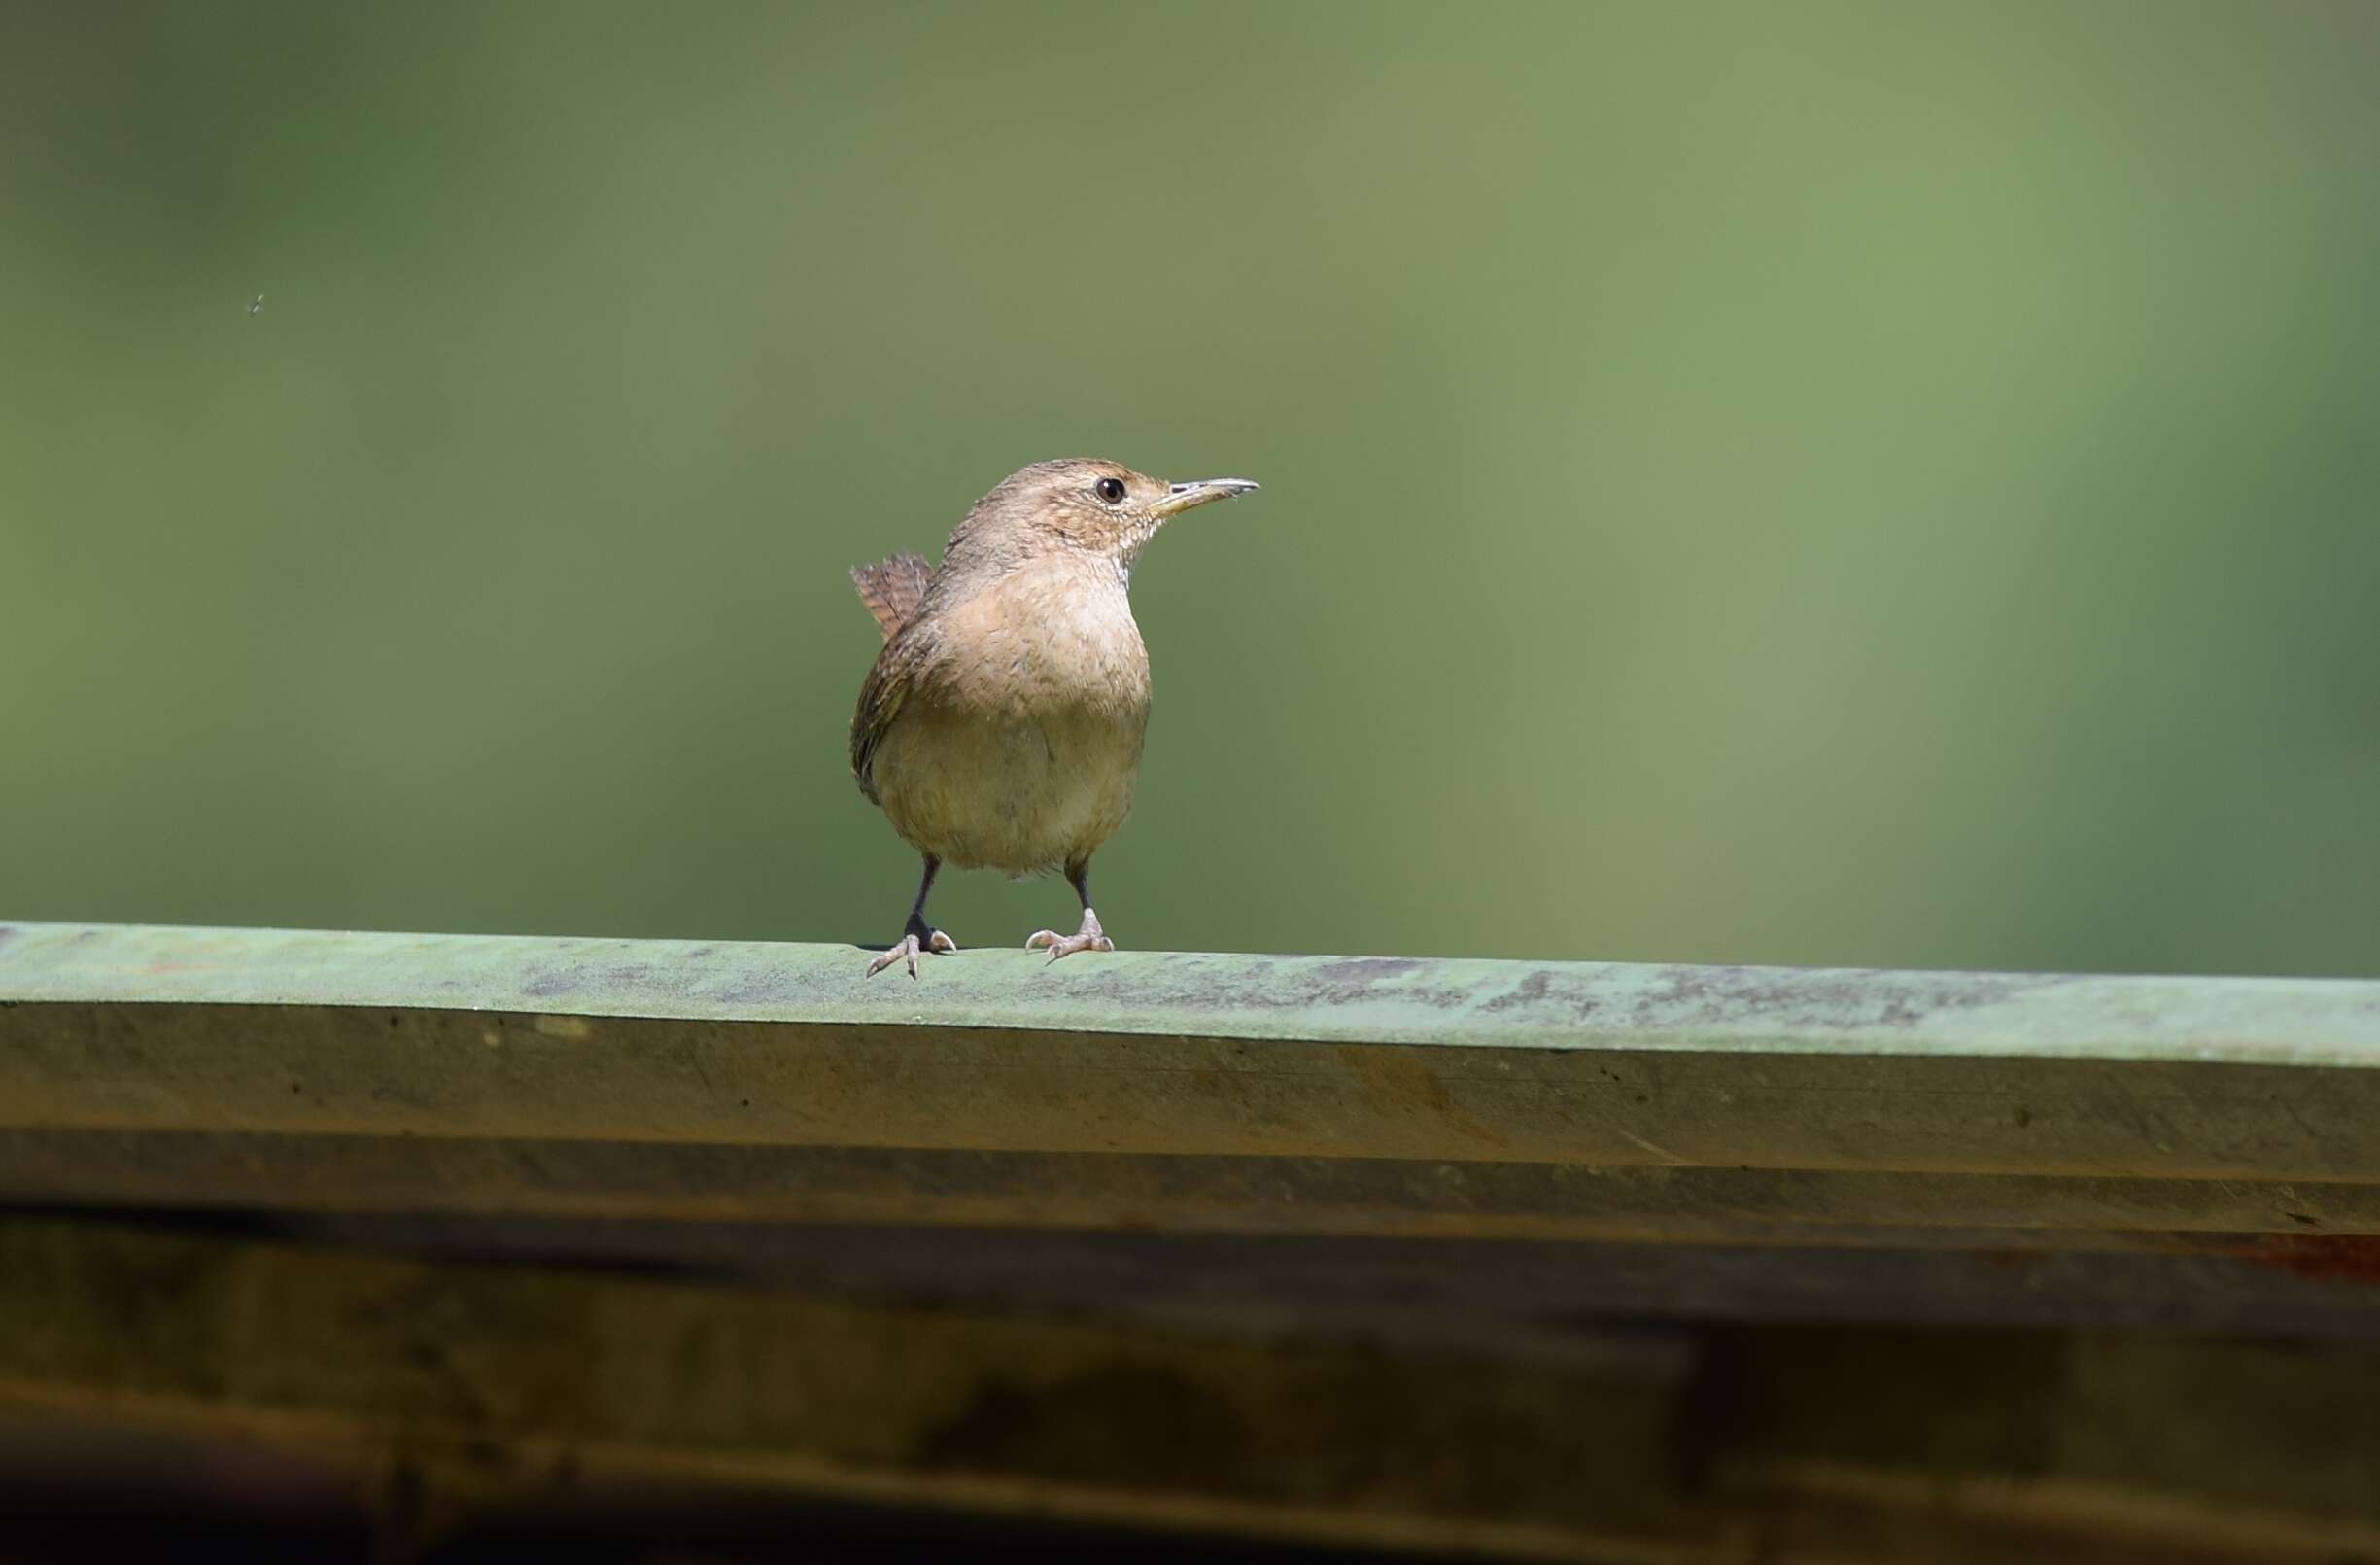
1447 1001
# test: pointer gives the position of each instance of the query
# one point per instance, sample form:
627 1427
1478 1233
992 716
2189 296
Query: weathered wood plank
481 1383
1305 1094
1317 999
1130 1192
493 1382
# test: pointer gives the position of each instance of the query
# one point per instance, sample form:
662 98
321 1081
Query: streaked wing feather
880 702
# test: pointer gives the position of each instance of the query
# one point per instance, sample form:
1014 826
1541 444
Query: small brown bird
1001 726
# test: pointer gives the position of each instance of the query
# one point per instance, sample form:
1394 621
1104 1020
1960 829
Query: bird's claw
1088 938
909 948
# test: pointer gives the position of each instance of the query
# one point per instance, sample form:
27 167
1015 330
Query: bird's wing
892 588
880 702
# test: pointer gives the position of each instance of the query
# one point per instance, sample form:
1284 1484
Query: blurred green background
1873 484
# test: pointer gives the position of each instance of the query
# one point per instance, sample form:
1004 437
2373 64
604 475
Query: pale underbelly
1019 796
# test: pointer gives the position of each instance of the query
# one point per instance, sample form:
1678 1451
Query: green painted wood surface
680 1079
1324 1000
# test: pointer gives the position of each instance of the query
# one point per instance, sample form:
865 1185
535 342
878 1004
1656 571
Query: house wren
1001 726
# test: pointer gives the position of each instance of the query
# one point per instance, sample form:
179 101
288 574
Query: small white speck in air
256 304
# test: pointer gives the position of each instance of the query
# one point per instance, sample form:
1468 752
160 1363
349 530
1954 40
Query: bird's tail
892 589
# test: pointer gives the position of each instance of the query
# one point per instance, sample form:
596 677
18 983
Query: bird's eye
1111 490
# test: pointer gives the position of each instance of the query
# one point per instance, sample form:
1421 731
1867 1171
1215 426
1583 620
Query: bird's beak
1197 492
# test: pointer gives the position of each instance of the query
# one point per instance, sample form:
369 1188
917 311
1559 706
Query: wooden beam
488 1384
463 1387
1381 1095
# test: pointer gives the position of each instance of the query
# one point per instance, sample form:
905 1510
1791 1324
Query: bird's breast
1018 746
1047 642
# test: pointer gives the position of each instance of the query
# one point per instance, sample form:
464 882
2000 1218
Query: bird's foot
910 947
1091 937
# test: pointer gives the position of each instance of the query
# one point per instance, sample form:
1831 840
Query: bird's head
1099 508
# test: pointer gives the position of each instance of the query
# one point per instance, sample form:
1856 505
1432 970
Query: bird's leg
920 936
1091 937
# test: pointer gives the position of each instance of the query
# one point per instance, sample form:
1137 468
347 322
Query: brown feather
880 702
892 589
